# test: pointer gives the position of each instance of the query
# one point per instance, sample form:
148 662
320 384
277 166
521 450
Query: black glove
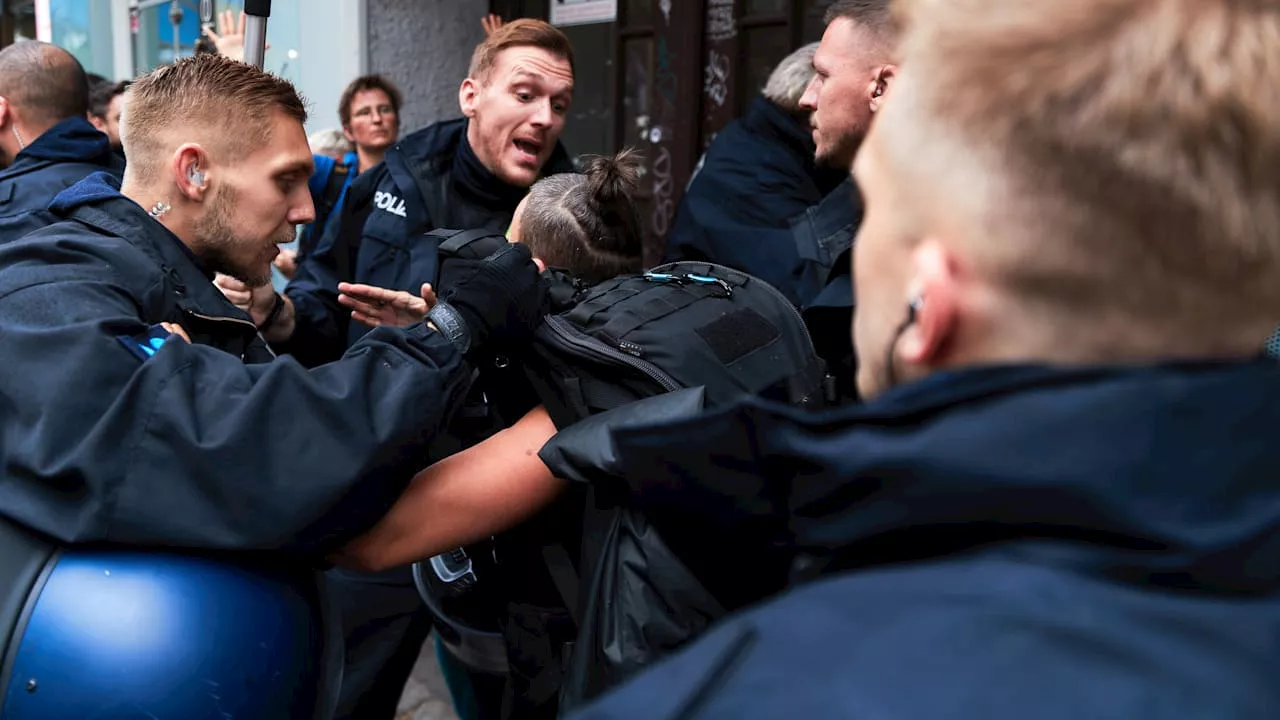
503 298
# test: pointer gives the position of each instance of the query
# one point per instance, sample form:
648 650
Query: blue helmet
120 634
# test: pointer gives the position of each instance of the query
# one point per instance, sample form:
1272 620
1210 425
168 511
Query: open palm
375 306
229 39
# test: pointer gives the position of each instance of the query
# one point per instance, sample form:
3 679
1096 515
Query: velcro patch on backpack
737 334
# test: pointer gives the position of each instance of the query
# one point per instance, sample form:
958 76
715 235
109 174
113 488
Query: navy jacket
824 234
213 444
431 179
755 178
64 155
1015 542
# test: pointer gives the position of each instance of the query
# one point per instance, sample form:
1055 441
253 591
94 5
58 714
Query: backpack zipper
592 349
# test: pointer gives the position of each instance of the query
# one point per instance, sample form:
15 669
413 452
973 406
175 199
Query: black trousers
384 624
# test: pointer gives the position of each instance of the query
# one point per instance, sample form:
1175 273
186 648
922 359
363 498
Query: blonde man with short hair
141 408
1061 500
853 70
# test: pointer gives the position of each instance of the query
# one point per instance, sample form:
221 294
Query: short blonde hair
518 33
199 93
1130 151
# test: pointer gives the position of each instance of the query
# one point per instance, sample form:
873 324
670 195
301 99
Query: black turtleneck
479 183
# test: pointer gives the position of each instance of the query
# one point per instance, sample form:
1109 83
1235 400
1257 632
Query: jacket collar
434 151
97 202
766 118
1170 468
72 140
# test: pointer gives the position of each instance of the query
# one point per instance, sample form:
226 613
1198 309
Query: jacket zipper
592 349
237 321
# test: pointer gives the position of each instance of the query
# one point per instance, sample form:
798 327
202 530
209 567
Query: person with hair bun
585 223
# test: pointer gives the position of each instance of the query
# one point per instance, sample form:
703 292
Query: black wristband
447 320
274 315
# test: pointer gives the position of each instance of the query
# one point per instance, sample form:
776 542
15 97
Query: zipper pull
179 287
631 348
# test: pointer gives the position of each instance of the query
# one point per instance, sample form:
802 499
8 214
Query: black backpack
680 325
686 324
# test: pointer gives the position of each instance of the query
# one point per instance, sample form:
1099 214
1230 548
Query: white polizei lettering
386 201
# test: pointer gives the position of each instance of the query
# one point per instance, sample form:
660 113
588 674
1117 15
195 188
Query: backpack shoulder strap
333 188
452 242
564 576
328 203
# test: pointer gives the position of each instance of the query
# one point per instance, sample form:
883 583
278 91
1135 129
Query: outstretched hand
375 306
229 39
490 23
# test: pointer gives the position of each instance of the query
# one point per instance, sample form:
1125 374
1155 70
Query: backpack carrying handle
683 278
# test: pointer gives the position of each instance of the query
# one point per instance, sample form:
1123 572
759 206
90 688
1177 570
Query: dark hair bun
610 179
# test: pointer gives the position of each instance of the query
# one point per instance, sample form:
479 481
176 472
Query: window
762 49
765 7
17 21
157 40
284 57
83 28
590 126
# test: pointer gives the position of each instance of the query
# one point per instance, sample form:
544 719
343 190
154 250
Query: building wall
424 46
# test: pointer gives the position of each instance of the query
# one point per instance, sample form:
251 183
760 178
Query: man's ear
934 293
468 93
346 133
191 172
6 112
880 85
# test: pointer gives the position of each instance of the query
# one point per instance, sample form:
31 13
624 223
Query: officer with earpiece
144 414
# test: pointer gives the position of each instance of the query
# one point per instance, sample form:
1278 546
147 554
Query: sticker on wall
581 12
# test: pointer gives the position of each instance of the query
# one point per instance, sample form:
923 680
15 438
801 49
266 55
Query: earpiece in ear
878 91
913 307
195 175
